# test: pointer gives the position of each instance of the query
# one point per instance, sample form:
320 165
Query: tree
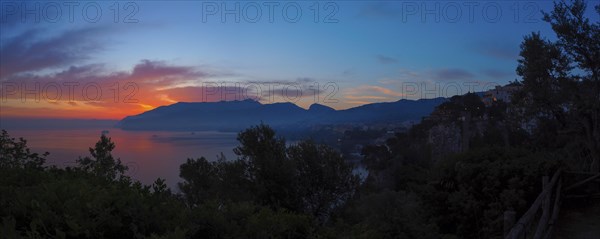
323 180
199 176
220 180
561 84
51 202
16 154
268 167
387 214
301 178
102 163
474 188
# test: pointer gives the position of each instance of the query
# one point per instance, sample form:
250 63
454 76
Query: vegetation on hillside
415 188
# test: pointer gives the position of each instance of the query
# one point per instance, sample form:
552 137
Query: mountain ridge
240 114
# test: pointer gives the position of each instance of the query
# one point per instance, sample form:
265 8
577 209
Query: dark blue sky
372 51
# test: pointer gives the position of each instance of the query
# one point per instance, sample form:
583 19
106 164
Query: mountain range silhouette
238 115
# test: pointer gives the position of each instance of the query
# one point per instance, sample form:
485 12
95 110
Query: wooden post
543 222
519 229
555 210
509 220
546 201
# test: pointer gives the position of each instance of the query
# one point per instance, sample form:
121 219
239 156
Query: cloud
292 92
387 81
497 50
29 51
150 84
379 9
298 81
366 97
55 68
264 91
497 74
148 69
159 75
303 87
150 74
370 94
452 74
93 88
348 72
385 59
207 93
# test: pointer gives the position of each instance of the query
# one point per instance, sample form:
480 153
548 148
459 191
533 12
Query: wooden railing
549 213
584 188
545 225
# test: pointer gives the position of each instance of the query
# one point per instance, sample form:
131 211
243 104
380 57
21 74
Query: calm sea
148 154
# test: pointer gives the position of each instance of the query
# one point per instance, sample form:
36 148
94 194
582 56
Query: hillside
237 115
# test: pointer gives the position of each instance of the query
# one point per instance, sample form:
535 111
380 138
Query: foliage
474 189
302 178
270 170
73 203
510 146
306 190
214 219
219 180
16 154
386 214
102 163
322 178
461 105
561 82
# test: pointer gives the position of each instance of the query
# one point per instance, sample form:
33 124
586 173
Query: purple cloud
147 77
30 52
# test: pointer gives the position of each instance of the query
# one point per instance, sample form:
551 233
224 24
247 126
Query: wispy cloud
207 93
29 51
497 50
95 90
452 74
369 94
497 74
152 74
297 81
348 72
385 59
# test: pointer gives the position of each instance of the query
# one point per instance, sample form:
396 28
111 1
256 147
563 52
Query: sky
111 59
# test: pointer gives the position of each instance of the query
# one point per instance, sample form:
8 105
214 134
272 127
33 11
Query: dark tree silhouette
102 163
270 170
15 153
561 84
323 180
303 178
